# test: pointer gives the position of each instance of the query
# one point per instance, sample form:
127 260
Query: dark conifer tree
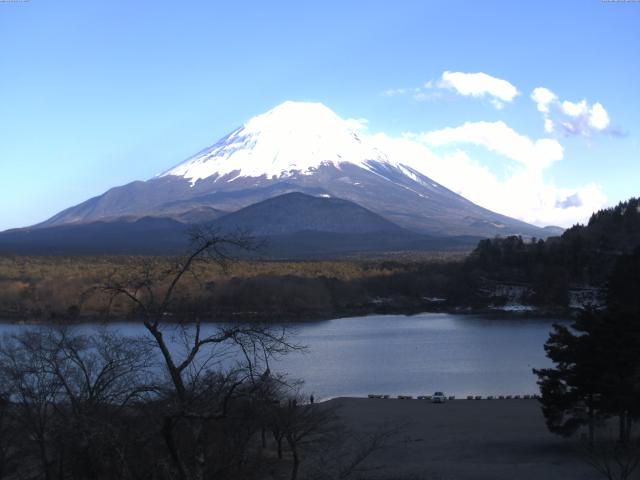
597 360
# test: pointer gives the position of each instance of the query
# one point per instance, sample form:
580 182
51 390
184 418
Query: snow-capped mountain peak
292 138
304 148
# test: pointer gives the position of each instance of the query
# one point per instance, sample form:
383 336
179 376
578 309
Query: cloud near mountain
524 193
479 85
570 118
521 185
445 155
301 147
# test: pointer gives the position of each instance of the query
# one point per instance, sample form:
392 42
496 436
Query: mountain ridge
293 225
303 147
297 212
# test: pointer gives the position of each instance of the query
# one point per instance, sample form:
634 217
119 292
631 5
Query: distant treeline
583 256
44 288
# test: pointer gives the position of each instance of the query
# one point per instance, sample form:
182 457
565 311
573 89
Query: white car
438 397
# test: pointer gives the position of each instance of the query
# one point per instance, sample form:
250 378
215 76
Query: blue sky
98 94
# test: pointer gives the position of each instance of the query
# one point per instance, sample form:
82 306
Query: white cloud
575 109
598 117
478 85
574 118
498 137
524 193
422 95
358 124
466 84
394 92
523 189
584 119
543 98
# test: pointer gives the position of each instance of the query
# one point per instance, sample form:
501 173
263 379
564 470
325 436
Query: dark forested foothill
547 271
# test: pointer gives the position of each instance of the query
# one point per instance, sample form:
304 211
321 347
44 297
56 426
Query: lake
411 355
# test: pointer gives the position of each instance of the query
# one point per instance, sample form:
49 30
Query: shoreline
410 398
248 317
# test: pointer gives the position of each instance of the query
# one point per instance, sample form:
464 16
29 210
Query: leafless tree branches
187 400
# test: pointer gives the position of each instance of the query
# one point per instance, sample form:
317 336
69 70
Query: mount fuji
296 147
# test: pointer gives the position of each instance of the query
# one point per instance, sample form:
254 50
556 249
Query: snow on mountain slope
299 147
294 137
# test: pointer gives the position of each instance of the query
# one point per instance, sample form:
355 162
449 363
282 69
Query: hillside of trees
63 288
594 384
545 272
583 255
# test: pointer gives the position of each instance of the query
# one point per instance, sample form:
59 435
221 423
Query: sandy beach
465 439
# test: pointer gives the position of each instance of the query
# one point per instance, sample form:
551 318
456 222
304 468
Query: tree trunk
296 458
622 424
296 465
61 465
199 452
46 464
591 426
167 433
627 428
174 373
278 438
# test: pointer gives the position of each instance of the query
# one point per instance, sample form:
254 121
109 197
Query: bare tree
187 400
64 391
8 457
102 376
201 385
34 392
321 447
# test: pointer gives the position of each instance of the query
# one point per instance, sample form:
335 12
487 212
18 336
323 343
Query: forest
63 288
584 255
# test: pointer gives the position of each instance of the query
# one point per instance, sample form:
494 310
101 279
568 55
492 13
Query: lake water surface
412 355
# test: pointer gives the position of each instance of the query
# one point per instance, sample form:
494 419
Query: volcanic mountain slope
296 225
144 236
297 212
299 147
293 225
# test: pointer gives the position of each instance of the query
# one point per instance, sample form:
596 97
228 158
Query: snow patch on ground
514 298
515 307
434 299
581 298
